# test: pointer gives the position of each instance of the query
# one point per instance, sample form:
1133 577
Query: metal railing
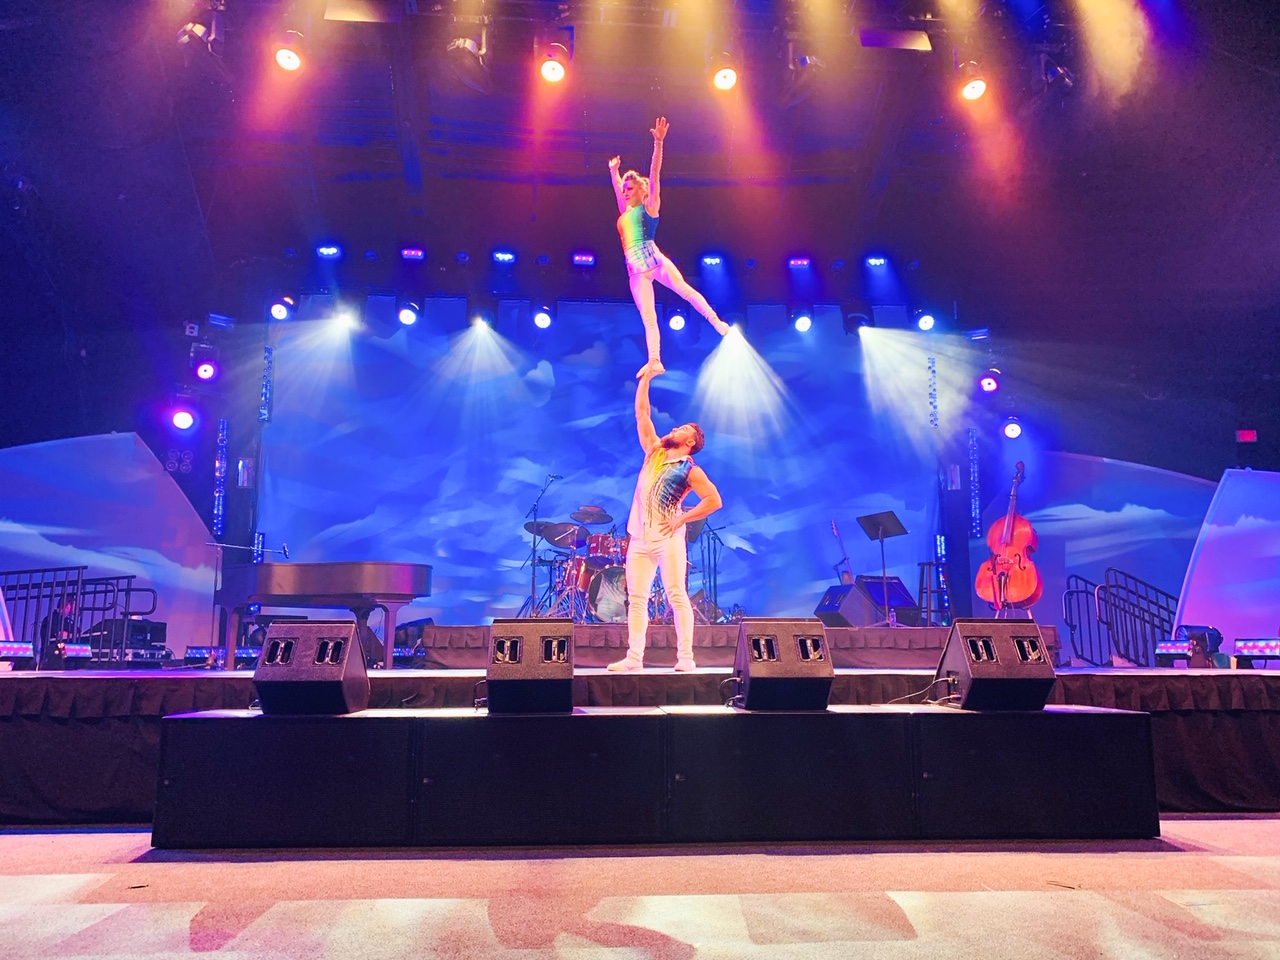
1137 615
1089 638
44 607
60 605
1117 621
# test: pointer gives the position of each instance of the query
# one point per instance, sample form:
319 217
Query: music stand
877 526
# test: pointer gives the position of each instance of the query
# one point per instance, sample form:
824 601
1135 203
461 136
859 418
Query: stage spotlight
856 315
584 258
989 382
542 317
282 308
1012 429
802 321
466 54
925 321
412 253
329 251
676 321
877 262
504 257
462 258
205 24
555 62
203 361
183 417
803 70
288 50
409 313
797 263
482 308
972 83
724 72
712 260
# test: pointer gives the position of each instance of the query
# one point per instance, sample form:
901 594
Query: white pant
670 557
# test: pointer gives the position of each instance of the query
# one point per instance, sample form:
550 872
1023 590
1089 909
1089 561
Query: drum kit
588 581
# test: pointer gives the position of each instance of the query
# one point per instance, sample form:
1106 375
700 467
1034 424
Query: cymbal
590 513
560 534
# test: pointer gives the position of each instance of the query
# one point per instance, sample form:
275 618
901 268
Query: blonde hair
643 181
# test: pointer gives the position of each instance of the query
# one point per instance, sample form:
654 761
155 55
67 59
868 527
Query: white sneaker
686 666
627 664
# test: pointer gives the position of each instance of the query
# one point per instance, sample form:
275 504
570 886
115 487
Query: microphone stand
533 555
215 627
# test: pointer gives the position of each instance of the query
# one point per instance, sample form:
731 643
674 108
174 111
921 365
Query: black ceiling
146 183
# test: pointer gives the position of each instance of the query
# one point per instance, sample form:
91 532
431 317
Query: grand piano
361 587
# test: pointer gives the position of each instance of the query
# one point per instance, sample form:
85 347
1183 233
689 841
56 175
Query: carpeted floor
1209 888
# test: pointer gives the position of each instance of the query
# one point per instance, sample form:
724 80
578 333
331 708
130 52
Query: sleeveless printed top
661 487
635 226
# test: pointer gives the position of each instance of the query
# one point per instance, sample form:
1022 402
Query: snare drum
600 550
580 572
572 573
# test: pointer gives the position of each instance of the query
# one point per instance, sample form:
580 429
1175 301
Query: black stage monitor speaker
860 604
782 664
311 667
530 666
994 665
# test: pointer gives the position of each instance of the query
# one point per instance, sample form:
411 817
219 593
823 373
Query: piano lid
323 584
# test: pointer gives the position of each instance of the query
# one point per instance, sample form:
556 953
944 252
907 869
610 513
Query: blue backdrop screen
432 443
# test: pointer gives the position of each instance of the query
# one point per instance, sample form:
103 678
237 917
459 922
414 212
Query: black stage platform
81 748
609 775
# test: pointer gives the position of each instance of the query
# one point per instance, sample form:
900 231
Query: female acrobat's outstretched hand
659 130
615 163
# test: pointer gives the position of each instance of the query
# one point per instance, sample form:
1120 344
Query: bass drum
607 595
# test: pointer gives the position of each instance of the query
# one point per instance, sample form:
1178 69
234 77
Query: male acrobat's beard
669 442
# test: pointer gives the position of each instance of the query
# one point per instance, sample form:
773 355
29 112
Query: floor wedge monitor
994 665
782 664
530 666
312 667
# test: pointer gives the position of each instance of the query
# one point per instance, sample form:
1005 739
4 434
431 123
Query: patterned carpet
1210 888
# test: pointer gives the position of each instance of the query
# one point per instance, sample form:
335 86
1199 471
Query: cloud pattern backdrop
431 447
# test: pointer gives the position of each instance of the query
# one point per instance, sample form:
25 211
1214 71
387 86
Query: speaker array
317 667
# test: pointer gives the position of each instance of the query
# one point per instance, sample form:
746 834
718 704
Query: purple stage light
207 370
182 418
712 260
798 262
676 321
412 253
504 256
1012 428
328 251
877 262
584 258
989 382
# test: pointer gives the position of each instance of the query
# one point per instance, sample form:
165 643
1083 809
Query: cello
1009 579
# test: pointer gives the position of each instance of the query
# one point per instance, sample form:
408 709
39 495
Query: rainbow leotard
636 228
